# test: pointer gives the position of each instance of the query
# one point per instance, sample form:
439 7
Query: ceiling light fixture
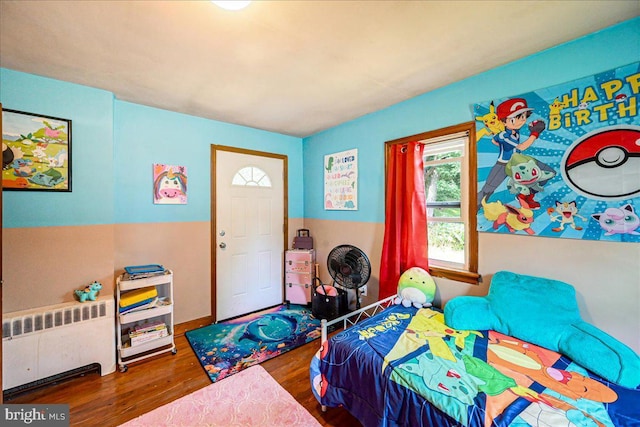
232 4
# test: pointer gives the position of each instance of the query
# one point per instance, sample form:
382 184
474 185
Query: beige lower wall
364 235
183 247
606 275
44 265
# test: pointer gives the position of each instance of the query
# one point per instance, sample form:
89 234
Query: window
450 179
443 176
251 176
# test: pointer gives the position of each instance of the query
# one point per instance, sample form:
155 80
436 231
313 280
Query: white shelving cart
162 312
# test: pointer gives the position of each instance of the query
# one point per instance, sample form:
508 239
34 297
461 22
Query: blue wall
145 136
450 105
91 114
113 147
115 143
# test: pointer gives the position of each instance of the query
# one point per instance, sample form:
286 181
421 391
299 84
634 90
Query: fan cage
349 266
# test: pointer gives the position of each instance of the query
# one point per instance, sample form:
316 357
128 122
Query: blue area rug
228 347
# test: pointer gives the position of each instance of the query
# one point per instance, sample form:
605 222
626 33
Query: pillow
545 312
416 287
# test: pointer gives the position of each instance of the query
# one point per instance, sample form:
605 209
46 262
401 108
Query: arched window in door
251 176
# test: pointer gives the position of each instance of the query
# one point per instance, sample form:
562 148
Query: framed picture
169 184
341 181
36 152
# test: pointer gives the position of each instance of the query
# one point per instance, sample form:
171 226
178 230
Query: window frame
248 183
470 274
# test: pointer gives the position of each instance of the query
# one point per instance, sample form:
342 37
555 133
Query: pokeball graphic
604 164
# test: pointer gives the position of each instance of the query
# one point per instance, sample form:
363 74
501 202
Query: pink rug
250 398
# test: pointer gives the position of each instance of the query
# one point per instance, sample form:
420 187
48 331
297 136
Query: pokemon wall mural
563 161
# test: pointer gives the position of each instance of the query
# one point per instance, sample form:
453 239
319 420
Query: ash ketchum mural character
513 113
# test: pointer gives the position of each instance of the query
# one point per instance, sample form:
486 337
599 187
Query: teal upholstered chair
545 312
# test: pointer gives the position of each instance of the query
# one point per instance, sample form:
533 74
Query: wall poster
169 185
341 180
563 161
36 152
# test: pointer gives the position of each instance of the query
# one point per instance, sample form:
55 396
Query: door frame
285 205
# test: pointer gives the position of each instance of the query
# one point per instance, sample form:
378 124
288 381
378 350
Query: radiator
52 340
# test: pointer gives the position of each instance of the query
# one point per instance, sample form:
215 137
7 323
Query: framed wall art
36 152
341 181
169 184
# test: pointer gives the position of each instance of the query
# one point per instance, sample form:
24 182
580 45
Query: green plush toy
416 287
90 292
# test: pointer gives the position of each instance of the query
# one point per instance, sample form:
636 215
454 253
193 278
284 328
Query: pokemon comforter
405 367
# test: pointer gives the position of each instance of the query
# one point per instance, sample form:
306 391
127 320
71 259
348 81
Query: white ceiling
293 67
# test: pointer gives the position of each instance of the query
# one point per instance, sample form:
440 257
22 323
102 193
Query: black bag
325 306
303 240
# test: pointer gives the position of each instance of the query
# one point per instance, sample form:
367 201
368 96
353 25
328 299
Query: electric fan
349 267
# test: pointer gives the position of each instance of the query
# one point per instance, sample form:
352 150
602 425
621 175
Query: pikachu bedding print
563 161
405 367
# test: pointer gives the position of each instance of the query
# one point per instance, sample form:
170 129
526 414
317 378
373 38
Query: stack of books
143 333
134 272
145 305
137 299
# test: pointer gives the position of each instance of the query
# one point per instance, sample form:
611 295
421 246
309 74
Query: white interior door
249 233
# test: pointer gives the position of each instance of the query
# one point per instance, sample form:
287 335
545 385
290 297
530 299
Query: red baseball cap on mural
512 107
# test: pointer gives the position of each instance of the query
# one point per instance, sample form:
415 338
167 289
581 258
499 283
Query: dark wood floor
116 398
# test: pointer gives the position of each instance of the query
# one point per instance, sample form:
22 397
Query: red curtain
405 227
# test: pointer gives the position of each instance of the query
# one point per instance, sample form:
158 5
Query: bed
405 367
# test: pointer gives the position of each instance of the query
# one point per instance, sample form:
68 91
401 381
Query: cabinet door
298 294
299 261
298 279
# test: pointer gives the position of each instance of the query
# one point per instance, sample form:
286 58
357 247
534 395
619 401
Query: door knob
222 245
